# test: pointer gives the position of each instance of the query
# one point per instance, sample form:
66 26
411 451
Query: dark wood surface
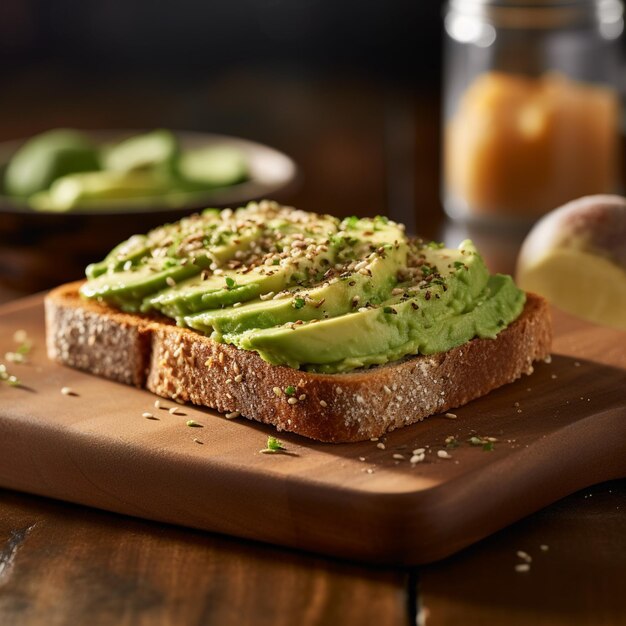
353 501
82 566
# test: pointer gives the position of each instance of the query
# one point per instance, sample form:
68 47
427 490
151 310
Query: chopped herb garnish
273 446
435 245
458 265
452 442
290 390
298 303
390 310
427 270
488 447
230 282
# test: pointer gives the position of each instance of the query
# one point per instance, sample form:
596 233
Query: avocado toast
339 330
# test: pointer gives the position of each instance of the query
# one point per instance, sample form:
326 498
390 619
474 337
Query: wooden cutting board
559 430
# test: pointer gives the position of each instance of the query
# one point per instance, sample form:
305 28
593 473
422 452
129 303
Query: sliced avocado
213 166
377 336
91 188
46 157
127 289
156 151
133 249
425 318
342 293
290 251
167 255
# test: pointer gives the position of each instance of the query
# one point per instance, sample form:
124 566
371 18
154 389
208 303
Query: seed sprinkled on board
68 391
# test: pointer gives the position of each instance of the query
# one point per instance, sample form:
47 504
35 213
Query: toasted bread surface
177 363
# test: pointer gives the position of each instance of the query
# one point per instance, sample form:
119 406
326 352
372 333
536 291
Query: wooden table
62 564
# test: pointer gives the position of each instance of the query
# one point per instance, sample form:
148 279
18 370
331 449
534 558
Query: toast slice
177 363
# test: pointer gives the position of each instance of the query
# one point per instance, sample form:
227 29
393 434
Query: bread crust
177 363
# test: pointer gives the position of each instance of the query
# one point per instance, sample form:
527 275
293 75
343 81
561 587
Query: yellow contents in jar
522 146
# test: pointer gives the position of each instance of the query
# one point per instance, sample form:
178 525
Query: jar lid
541 13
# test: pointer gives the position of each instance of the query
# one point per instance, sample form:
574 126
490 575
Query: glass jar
531 106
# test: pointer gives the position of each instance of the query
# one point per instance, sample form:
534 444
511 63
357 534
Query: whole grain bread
177 363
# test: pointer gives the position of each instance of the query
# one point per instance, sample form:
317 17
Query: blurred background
350 90
326 82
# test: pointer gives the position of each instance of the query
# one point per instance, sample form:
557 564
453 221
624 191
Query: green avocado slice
166 256
404 322
155 151
340 294
378 336
46 157
293 258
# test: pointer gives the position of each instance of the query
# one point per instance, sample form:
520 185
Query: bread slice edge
180 364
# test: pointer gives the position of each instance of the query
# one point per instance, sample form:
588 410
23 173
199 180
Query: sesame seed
419 450
238 378
68 391
229 381
399 457
277 391
193 424
196 440
443 454
361 458
147 415
302 396
338 390
373 438
553 376
232 415
380 446
543 547
450 416
576 364
170 281
157 404
175 411
522 567
387 390
417 458
369 470
20 336
292 400
323 403
524 556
